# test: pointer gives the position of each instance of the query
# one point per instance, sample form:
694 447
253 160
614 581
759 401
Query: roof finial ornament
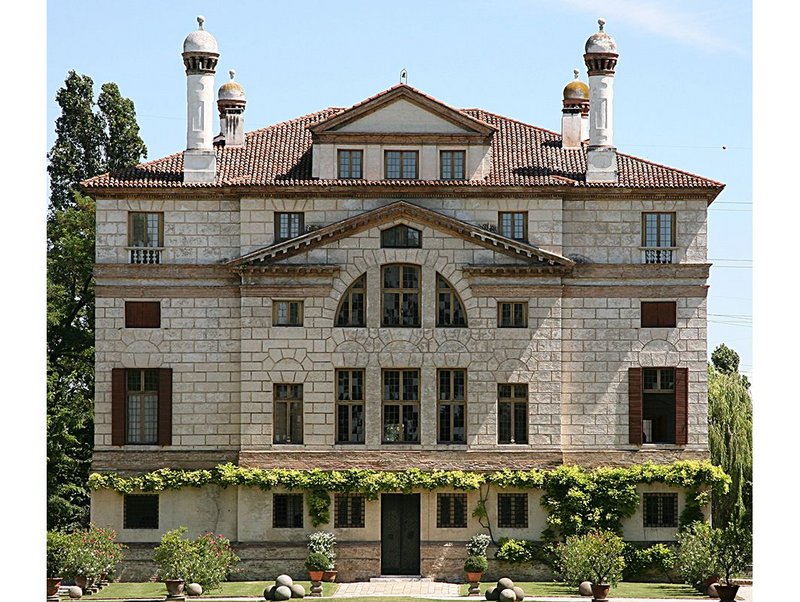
601 22
576 73
200 20
232 73
404 77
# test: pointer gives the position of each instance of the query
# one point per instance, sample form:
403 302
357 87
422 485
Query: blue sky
682 91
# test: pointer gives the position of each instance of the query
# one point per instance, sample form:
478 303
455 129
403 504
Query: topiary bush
317 561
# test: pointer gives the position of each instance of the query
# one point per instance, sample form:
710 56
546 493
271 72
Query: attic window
401 237
350 164
451 164
401 165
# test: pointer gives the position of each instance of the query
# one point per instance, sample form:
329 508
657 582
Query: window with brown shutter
141 406
635 406
681 406
142 314
658 314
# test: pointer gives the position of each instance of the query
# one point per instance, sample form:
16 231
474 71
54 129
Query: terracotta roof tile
280 155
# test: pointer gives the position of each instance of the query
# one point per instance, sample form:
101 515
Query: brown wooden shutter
681 406
165 406
117 406
151 314
666 314
635 406
649 314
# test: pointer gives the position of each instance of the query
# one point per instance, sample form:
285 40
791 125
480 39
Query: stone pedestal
474 588
316 589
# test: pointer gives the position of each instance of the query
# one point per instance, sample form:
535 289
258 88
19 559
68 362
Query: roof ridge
667 167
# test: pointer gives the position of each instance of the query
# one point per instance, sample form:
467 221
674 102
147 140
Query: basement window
660 509
140 512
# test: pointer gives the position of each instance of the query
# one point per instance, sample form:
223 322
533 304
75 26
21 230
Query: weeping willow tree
730 438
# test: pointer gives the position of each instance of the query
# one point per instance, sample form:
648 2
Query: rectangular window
658 314
287 510
142 314
452 396
140 512
660 509
401 165
400 295
401 406
348 510
513 224
288 423
141 394
401 237
658 405
658 237
451 164
287 313
451 510
288 225
512 413
350 164
349 406
512 510
512 314
145 237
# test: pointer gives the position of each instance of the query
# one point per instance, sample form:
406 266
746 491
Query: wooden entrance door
400 534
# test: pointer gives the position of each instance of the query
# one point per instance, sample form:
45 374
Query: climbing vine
575 498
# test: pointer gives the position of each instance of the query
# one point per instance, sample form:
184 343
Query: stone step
399 578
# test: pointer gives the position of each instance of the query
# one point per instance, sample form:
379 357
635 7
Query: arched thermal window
353 306
449 308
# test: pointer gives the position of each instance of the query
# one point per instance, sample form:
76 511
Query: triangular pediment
402 110
401 210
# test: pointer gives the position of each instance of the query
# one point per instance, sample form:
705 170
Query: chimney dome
600 42
200 40
231 90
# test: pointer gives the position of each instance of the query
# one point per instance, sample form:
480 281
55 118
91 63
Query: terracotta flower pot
329 576
727 593
174 586
315 575
53 583
473 577
600 591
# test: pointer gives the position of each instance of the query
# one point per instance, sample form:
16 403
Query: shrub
477 545
214 560
84 555
317 561
516 550
476 564
732 549
175 556
595 556
695 558
323 542
58 549
103 544
658 557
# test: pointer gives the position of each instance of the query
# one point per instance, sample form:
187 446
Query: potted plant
324 542
731 548
316 564
476 563
596 556
475 567
57 558
173 557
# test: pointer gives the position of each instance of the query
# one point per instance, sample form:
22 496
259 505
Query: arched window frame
350 300
447 317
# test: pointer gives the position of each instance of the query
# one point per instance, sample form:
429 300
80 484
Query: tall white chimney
601 60
576 103
200 55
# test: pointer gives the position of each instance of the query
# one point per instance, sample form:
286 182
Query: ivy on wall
575 498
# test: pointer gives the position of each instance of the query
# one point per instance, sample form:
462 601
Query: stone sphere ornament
194 589
74 592
585 588
520 593
508 595
505 583
492 593
283 580
298 591
282 592
269 592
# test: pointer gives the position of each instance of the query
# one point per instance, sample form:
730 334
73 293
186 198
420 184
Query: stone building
399 284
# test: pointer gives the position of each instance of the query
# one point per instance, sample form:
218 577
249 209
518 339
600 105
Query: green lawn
623 589
229 588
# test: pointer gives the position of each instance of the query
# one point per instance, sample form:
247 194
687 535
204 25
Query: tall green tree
91 138
730 436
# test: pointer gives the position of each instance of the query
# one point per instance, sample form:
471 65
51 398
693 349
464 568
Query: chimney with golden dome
231 102
200 56
601 60
575 114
